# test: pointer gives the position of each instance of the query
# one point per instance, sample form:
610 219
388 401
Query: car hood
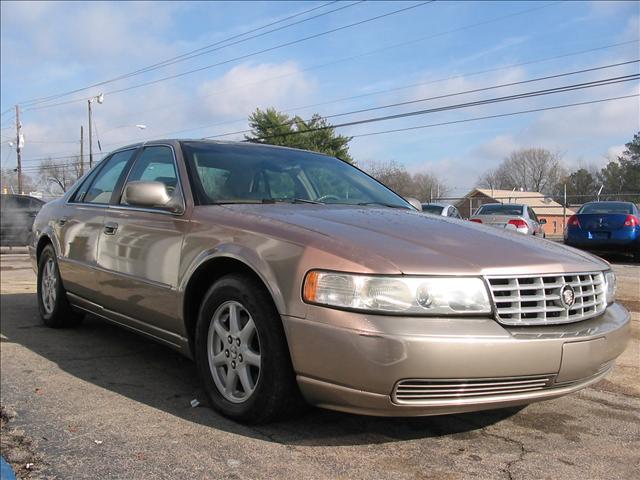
414 243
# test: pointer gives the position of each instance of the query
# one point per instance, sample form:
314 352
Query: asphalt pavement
100 402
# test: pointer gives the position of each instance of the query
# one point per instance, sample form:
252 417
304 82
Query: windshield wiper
390 205
291 200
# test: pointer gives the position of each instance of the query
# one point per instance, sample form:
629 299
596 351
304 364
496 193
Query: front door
79 226
139 252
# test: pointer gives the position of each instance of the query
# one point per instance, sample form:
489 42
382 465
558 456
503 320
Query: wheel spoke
245 379
234 325
252 358
230 381
247 331
220 330
219 359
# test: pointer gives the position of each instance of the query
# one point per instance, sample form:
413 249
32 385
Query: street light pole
99 99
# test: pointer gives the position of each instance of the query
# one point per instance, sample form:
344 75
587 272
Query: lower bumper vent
410 391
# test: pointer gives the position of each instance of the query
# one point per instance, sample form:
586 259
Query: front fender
275 280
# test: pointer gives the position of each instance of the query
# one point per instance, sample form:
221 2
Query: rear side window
607 207
100 188
155 164
503 209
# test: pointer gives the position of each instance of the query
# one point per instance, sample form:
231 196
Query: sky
428 50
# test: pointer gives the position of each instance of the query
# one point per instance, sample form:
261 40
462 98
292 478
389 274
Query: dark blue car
605 227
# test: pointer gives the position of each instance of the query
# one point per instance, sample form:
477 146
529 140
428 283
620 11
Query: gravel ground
99 402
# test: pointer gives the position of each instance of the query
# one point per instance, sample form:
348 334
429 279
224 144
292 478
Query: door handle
110 228
62 221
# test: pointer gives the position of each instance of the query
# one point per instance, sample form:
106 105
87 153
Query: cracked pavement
100 402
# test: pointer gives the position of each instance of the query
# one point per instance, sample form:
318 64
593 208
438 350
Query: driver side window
155 164
103 184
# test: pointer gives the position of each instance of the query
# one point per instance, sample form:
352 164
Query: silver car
442 209
511 216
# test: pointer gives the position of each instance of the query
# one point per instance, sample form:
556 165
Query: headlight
408 295
610 284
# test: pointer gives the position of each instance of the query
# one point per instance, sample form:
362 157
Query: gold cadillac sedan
291 276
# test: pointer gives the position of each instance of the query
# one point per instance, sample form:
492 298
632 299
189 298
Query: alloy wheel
233 350
48 286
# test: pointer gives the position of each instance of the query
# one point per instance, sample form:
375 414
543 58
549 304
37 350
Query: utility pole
90 143
81 150
19 148
564 210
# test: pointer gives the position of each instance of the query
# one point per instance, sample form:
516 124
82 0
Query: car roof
175 141
505 204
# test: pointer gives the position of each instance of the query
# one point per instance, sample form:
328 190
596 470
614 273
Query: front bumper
355 362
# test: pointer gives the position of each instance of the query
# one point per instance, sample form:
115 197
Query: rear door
139 250
78 225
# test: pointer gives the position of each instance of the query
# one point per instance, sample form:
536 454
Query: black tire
276 391
59 313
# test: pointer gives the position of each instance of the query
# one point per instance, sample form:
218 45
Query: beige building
545 207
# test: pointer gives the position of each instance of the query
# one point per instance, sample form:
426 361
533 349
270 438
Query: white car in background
511 216
442 209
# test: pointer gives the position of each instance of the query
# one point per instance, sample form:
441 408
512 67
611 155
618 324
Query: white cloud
290 87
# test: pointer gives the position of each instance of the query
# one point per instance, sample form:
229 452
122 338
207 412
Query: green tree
276 128
623 174
580 183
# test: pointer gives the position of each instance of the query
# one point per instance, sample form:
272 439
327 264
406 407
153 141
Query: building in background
545 207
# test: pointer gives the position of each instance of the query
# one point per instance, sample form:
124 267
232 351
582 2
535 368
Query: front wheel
242 354
55 310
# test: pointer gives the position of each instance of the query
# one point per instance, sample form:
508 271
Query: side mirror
414 203
150 195
543 221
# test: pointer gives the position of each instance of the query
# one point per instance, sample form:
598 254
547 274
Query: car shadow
141 370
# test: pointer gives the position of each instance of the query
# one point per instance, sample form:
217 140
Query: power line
472 119
389 90
378 92
201 51
265 50
500 115
519 96
536 93
438 97
346 59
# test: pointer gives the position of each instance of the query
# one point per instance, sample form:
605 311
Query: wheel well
201 281
43 242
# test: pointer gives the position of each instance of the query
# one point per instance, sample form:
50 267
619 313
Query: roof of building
541 204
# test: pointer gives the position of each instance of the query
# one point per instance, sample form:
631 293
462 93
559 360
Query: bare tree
9 181
422 186
62 175
531 169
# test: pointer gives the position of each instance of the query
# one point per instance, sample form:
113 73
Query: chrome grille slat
469 394
535 299
408 391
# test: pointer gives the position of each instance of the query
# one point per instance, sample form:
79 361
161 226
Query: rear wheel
55 310
242 354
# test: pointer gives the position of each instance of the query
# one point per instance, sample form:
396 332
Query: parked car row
599 227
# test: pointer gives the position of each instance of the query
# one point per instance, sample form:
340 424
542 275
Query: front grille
412 391
535 299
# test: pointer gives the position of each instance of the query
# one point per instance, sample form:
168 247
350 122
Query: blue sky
431 50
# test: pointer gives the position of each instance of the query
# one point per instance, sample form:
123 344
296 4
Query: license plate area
599 235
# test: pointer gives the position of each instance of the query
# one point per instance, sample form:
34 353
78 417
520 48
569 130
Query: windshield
500 210
432 209
609 207
249 173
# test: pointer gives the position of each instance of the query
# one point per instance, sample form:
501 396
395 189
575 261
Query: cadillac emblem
567 296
